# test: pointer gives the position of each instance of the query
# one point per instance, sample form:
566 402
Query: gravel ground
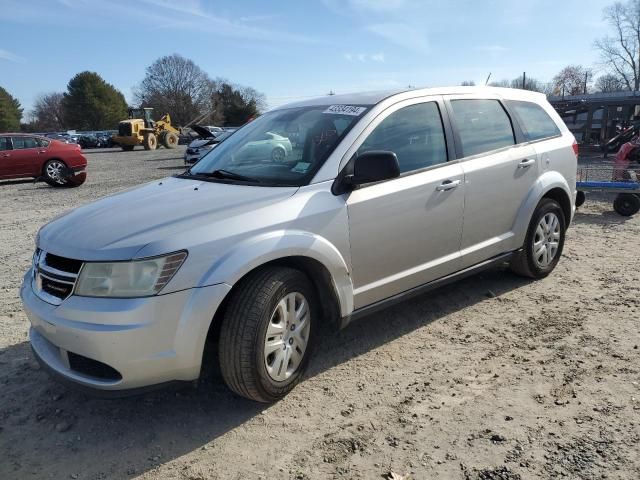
492 377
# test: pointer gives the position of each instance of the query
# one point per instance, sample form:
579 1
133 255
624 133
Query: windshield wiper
230 175
222 174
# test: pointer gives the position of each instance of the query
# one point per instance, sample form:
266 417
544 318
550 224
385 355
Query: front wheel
267 332
54 173
544 241
150 142
278 154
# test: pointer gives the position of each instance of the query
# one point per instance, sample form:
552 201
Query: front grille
191 151
92 368
63 264
124 129
54 277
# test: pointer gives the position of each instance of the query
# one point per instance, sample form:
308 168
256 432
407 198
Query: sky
295 49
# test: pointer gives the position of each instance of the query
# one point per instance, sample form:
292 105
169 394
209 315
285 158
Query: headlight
138 278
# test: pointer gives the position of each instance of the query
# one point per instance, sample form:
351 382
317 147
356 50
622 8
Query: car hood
120 226
202 131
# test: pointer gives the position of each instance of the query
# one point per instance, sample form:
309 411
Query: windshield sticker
345 110
301 167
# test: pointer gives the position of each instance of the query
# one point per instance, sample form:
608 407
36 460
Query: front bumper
191 158
145 341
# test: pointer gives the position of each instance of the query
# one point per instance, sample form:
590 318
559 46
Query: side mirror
374 166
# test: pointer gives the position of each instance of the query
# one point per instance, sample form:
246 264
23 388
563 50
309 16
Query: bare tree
572 80
175 85
501 83
610 83
468 83
621 52
47 113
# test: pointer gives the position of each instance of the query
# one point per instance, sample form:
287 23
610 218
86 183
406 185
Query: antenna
487 81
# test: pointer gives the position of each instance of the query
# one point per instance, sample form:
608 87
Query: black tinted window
483 125
4 143
24 142
535 122
414 134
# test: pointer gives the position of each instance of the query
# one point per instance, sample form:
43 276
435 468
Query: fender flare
545 183
275 245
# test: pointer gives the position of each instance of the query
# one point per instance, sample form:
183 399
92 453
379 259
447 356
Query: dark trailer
595 118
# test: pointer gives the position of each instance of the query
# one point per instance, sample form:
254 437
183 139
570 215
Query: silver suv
383 195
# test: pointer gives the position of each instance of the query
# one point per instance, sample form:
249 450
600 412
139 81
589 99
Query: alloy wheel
287 336
546 240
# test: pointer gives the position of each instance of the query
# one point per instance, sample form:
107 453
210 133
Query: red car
57 163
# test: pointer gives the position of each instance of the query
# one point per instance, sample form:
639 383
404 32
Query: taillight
575 148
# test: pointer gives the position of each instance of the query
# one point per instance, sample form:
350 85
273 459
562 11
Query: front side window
24 142
483 125
4 143
414 133
535 122
283 147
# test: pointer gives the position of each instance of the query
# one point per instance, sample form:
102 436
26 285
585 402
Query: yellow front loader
140 129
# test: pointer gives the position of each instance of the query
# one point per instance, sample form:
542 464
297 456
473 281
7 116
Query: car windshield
283 147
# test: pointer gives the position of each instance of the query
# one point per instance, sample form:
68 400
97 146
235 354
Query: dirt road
493 377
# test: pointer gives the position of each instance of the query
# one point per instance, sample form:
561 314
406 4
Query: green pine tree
90 103
10 112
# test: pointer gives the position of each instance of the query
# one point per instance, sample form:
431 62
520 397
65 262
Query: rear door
7 167
498 173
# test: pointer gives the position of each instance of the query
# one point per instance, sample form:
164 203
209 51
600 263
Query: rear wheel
544 241
266 334
170 140
278 154
150 141
627 204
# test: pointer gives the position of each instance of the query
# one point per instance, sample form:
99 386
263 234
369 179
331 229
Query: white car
271 145
392 194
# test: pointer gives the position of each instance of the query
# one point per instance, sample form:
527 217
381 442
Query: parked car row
58 163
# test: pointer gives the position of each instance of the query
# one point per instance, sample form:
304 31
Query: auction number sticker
345 110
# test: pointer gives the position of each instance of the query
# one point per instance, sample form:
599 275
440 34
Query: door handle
527 162
448 185
6 155
42 151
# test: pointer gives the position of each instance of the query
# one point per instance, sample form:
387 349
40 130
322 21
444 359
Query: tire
170 140
580 199
150 141
162 138
626 204
249 326
532 261
53 173
278 154
127 148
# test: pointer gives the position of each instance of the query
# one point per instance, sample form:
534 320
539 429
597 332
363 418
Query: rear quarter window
536 124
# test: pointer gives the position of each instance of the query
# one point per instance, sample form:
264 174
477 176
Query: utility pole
487 81
586 79
524 80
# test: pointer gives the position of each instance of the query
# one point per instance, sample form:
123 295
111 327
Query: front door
27 156
406 231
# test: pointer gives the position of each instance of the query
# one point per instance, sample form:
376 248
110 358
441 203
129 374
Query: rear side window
4 143
535 122
483 125
414 133
24 142
42 142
